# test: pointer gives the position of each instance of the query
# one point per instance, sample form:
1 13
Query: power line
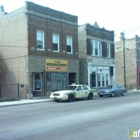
131 31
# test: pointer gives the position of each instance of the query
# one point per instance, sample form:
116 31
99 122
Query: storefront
56 74
100 76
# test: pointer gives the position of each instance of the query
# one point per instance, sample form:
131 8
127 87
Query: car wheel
101 95
112 94
90 96
123 93
56 100
70 98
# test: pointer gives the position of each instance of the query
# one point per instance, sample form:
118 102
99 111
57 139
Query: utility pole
123 39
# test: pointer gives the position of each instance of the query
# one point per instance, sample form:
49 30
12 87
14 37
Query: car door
85 90
116 88
79 92
120 89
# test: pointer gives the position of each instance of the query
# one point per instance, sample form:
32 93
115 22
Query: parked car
112 90
73 92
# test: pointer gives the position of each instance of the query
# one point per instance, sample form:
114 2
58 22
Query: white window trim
70 44
57 42
99 48
42 32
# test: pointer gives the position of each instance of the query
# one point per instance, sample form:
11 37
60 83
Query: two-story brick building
97 55
40 50
132 62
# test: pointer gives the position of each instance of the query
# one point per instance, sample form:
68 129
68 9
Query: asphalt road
98 119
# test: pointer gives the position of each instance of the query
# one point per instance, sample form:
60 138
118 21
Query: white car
73 92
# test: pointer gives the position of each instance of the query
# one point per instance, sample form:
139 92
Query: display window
56 80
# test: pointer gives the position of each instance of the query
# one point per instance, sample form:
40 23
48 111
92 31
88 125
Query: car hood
64 91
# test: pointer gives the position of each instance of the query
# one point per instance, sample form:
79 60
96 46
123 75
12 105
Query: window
79 88
85 88
56 80
37 81
97 48
40 40
108 50
55 40
69 44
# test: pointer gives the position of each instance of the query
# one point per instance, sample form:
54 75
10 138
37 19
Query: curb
16 103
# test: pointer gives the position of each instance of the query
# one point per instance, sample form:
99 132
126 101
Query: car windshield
110 86
71 87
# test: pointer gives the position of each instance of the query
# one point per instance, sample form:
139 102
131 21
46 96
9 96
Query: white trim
69 37
57 35
41 38
97 45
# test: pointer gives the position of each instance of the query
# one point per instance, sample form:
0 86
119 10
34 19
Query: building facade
39 46
97 56
132 62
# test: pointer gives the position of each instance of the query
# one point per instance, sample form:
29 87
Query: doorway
72 78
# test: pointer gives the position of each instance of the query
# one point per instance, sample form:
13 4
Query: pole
123 39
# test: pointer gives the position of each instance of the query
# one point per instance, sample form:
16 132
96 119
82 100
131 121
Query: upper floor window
69 44
40 40
108 50
97 48
55 40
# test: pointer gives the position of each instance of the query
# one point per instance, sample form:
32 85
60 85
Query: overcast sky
116 15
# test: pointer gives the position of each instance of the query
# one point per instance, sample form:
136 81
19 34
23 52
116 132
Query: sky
114 15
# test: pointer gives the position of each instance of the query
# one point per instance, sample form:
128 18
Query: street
107 118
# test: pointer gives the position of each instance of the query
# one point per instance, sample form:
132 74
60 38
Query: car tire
112 94
123 93
101 95
56 100
90 96
70 98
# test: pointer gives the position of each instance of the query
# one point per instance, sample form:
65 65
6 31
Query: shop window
56 80
37 81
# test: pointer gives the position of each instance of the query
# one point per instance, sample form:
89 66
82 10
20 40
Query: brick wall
130 59
18 42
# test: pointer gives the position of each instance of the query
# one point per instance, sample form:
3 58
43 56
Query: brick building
97 54
132 62
40 50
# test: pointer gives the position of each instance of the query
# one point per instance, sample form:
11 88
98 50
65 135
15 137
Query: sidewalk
24 101
40 100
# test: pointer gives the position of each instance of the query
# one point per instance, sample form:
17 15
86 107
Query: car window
79 88
71 87
109 86
85 88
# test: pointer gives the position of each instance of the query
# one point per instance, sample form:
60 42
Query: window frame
53 42
42 40
108 50
97 48
35 80
69 37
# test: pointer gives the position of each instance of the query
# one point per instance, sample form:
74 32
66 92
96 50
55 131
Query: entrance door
72 78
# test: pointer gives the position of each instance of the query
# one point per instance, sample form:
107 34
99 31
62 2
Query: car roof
77 85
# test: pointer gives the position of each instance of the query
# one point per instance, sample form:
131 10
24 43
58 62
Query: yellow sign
56 65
